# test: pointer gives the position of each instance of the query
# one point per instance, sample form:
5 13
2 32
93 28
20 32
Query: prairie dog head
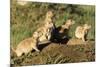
86 26
68 23
49 14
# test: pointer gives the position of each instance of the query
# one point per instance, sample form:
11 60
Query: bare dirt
54 53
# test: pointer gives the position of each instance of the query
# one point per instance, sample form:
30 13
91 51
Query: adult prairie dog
27 45
81 31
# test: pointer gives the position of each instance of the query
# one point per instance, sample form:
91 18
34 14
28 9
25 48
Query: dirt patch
55 53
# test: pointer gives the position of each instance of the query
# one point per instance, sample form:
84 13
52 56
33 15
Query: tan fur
81 31
42 34
49 14
67 25
44 31
27 45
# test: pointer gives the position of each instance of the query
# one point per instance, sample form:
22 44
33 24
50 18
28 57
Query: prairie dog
67 25
44 31
41 33
27 45
48 20
81 31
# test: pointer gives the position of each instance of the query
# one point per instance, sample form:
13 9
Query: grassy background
26 19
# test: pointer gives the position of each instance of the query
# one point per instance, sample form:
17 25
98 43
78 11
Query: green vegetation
26 19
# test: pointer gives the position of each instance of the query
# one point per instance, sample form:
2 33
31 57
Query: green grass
26 19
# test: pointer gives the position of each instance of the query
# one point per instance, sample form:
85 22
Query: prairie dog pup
41 33
67 25
27 45
44 31
81 31
48 20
